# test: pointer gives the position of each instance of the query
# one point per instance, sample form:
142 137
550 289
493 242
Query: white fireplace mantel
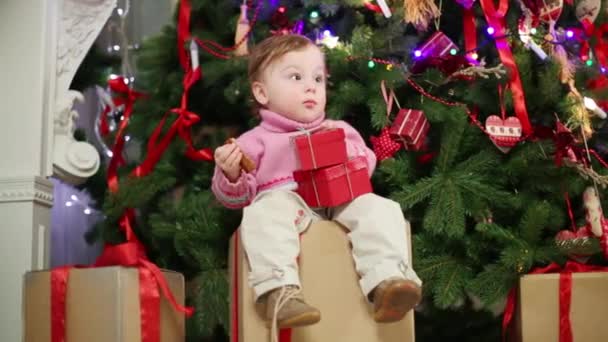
42 43
78 25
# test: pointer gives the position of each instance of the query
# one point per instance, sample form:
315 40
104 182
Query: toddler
288 80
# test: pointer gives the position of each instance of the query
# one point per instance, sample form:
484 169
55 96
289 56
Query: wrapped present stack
326 177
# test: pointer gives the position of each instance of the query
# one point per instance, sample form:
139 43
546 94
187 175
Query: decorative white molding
79 25
27 189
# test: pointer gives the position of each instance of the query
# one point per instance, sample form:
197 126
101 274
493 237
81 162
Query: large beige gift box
329 282
102 305
537 314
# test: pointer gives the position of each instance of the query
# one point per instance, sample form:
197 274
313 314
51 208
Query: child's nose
311 86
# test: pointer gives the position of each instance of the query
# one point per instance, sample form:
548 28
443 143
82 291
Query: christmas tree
512 92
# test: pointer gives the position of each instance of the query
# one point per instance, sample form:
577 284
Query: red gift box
410 127
321 148
438 45
334 185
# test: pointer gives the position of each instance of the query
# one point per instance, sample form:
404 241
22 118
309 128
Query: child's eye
319 79
296 77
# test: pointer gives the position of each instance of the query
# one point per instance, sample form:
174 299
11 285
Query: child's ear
259 92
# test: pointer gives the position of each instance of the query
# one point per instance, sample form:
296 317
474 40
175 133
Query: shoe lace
286 294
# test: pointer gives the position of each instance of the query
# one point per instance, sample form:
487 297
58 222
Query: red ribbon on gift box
128 254
565 295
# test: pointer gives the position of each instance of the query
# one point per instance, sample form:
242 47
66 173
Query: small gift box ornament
321 148
505 134
437 46
334 185
410 127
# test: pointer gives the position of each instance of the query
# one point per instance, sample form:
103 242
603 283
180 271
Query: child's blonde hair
271 49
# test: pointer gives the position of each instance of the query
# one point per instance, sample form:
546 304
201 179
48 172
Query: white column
26 41
42 42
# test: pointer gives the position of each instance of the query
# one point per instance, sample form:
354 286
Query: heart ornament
504 134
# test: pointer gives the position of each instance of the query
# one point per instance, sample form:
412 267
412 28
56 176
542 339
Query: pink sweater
270 147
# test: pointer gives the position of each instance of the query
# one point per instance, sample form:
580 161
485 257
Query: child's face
294 85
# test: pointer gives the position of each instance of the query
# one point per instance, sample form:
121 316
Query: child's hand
228 158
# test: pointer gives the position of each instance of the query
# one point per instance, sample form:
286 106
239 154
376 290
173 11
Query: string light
474 55
533 30
120 11
490 30
569 33
371 64
314 15
589 62
116 47
328 39
453 52
417 53
281 9
75 201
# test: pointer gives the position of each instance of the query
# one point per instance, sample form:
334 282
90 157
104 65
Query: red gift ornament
437 46
505 134
321 148
334 185
410 127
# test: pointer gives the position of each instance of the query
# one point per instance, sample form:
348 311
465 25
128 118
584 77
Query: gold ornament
420 13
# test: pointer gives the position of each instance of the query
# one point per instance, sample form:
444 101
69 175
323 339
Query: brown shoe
393 298
290 308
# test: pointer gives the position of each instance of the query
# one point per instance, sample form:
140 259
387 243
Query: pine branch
445 213
493 284
412 194
451 136
534 221
210 299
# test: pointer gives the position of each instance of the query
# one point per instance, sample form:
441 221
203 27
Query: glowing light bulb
592 106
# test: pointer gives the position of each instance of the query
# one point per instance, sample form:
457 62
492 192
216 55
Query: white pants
273 221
